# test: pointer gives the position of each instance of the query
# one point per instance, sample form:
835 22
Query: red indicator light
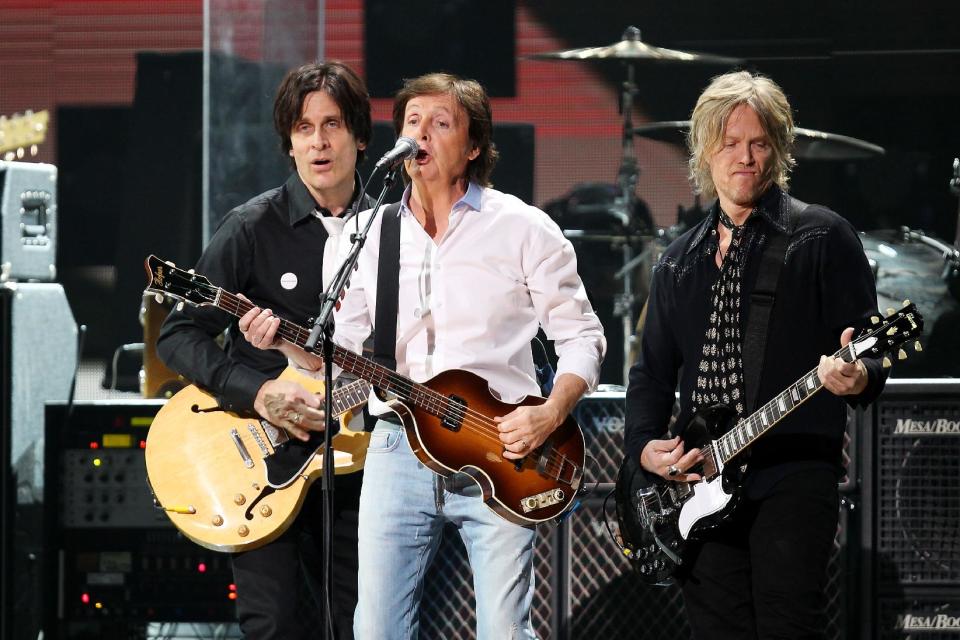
232 595
232 587
202 567
85 598
143 444
94 445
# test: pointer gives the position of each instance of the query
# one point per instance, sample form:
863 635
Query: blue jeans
403 507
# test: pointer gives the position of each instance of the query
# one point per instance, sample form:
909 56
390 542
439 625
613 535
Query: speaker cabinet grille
605 598
918 492
601 417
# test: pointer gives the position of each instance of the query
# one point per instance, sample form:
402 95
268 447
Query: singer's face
324 151
440 126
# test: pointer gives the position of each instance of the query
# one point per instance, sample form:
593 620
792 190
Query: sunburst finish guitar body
234 483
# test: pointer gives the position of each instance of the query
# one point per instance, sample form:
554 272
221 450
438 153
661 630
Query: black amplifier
114 562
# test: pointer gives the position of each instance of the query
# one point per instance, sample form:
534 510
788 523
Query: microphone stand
323 328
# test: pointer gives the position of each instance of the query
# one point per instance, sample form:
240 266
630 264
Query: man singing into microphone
278 250
479 273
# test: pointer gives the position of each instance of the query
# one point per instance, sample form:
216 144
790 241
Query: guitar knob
917 346
558 495
217 520
901 355
158 298
243 531
266 511
239 499
531 503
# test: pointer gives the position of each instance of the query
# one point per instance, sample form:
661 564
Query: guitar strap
388 289
761 303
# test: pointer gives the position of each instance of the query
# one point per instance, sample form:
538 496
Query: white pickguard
708 498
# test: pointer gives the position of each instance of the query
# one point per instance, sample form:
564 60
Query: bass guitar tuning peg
179 306
906 302
886 362
891 311
901 355
875 319
159 298
917 346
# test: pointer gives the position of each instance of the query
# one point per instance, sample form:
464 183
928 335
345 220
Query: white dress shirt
475 298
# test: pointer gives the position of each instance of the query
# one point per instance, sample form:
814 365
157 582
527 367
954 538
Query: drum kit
596 214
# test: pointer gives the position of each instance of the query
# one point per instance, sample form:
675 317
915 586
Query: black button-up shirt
271 250
825 285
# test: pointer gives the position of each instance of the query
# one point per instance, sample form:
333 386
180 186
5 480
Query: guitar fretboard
346 397
759 422
375 374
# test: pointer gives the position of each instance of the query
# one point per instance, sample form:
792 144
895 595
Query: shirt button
417 313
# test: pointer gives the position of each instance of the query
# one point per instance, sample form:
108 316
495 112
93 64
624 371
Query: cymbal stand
624 303
955 188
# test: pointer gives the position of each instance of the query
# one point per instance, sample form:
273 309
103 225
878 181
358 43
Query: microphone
405 149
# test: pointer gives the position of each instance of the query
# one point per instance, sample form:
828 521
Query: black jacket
271 250
824 286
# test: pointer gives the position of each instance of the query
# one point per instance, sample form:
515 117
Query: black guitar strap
388 289
761 303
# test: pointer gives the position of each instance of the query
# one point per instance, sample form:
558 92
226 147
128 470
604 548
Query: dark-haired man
279 250
479 272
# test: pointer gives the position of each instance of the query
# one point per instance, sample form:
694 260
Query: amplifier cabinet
28 221
917 484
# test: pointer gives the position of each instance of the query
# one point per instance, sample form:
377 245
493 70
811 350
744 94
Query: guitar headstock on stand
21 135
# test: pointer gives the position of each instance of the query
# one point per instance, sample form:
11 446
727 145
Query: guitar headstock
166 279
21 133
888 334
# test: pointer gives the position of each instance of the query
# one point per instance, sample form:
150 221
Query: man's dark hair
471 95
340 82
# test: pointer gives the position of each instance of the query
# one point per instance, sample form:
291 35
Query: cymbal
809 144
631 48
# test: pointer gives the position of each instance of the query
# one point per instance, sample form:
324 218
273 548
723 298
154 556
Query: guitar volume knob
239 499
266 511
243 531
217 520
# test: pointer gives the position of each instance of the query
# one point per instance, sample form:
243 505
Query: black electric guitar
657 518
449 420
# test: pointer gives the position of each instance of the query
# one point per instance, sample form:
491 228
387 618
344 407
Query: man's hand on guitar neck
259 327
842 378
667 459
286 404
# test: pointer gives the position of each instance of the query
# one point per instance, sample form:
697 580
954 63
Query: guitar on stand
20 135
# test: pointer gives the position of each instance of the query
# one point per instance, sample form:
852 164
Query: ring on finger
523 444
673 470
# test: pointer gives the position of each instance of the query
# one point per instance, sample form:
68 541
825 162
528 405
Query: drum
907 269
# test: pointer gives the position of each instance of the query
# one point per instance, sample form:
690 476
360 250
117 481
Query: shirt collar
301 203
471 199
771 207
